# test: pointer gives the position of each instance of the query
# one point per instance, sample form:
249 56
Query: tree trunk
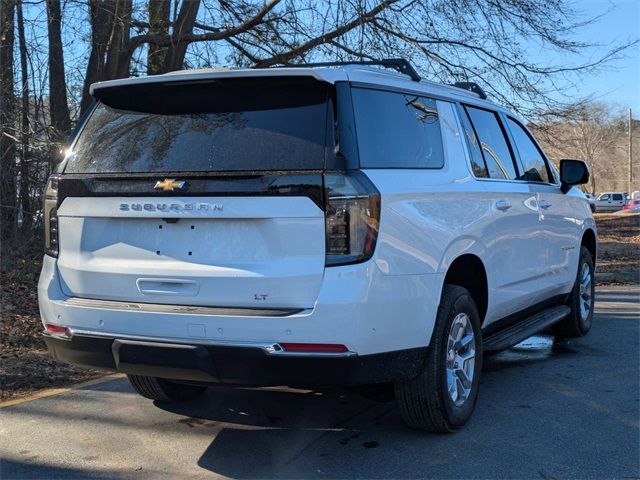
25 198
158 25
59 109
7 128
183 25
119 49
101 13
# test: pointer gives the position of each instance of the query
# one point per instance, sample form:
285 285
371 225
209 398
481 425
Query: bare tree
587 131
101 16
24 195
7 127
182 28
159 11
119 47
58 108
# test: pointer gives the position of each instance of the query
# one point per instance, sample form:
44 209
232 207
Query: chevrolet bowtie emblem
170 184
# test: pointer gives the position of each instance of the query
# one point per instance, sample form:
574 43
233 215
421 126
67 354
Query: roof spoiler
472 87
399 64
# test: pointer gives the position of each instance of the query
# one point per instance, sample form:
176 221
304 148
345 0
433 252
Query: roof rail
400 64
472 87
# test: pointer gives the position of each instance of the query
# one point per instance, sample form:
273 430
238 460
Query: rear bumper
357 306
233 365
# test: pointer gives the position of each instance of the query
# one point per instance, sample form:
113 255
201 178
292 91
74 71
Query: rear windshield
223 125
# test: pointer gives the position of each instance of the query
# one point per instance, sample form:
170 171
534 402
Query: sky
620 82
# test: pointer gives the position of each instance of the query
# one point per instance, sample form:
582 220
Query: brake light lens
50 209
57 330
352 217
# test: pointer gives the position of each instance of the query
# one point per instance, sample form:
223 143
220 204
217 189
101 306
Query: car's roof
373 76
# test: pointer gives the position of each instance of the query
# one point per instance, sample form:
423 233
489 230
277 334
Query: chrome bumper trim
181 309
270 348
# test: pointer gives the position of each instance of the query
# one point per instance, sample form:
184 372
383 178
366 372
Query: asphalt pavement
546 410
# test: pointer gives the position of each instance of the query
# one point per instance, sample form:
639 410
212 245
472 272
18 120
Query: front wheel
164 390
581 300
442 397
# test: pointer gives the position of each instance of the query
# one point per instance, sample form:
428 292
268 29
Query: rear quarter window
397 130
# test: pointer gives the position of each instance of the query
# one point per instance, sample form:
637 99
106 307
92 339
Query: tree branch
366 17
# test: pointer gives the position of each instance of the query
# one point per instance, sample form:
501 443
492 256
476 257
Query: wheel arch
590 241
468 271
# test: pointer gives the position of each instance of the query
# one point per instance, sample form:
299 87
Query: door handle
544 204
503 205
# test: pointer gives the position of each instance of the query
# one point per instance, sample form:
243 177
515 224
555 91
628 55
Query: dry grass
619 248
25 365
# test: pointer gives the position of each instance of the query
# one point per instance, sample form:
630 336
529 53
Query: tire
424 401
164 390
577 323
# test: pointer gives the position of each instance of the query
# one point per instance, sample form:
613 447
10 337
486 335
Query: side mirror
573 172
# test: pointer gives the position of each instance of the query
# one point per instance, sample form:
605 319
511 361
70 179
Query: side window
533 162
397 130
477 162
617 197
604 196
495 148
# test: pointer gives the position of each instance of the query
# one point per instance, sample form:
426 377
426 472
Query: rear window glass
397 130
241 125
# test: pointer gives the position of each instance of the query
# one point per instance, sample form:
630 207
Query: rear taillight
51 217
352 217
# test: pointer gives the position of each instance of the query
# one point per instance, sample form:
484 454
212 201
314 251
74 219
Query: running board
522 330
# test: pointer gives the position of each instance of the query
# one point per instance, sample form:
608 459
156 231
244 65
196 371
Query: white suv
611 201
310 226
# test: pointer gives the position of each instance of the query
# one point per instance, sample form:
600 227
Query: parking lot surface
545 411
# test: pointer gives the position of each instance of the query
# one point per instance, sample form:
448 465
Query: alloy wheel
585 299
461 352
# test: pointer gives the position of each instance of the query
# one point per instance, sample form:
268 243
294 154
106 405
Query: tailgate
248 252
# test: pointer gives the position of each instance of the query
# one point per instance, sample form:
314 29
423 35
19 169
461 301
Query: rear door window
223 125
397 130
533 162
494 146
617 197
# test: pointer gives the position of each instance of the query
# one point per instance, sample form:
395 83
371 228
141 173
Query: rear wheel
581 300
442 397
164 390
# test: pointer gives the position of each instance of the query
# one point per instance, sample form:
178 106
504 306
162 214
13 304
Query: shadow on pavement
262 433
283 433
10 469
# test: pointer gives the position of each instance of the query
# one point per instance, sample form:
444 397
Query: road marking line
51 392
